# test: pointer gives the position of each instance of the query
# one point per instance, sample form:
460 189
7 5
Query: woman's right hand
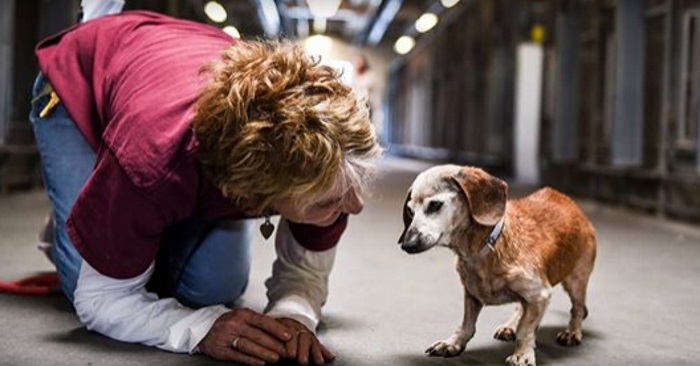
247 337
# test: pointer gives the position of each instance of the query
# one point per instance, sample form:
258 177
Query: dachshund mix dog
507 251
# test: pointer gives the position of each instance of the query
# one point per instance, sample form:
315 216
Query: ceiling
364 23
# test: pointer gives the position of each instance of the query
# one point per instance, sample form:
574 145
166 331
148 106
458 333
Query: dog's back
552 227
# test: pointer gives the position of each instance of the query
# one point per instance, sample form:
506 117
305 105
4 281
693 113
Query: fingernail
287 336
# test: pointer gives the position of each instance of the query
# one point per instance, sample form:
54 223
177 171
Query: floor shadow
548 352
333 321
53 302
95 343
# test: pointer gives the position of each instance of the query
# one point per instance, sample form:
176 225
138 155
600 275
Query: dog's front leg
533 310
455 345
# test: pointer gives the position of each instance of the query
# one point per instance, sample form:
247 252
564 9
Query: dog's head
446 199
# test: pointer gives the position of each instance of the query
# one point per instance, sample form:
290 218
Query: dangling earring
266 228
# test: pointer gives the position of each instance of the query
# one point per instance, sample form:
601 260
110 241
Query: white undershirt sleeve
298 288
125 311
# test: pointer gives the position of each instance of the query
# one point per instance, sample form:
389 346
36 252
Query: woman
159 138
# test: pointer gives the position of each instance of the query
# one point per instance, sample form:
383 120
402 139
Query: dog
507 251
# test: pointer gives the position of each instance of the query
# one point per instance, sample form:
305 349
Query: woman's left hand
304 346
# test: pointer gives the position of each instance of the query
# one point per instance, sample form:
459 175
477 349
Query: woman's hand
304 346
247 337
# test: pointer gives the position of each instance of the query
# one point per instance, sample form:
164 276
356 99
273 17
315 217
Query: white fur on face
434 217
437 208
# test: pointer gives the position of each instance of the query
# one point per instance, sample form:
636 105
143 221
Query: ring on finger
235 342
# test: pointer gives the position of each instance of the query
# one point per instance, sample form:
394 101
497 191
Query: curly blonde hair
272 123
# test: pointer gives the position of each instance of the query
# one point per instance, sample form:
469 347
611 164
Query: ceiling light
215 11
386 15
426 22
323 8
269 16
232 31
404 45
449 3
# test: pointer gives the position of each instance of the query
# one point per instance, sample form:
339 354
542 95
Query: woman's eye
327 205
433 207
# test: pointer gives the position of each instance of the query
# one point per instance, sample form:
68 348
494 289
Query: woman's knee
224 288
218 269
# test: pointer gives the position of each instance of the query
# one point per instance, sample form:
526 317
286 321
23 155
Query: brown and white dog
507 251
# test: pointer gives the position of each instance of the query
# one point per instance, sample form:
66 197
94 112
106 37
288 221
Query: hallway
386 307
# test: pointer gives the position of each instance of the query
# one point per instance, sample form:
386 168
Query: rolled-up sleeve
298 288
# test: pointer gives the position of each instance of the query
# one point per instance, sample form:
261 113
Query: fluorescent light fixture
385 17
404 45
448 3
232 31
323 8
215 11
269 17
426 22
318 45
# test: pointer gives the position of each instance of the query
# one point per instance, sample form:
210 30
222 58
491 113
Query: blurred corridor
598 98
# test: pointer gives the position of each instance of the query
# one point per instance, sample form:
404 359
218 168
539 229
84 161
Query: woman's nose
353 203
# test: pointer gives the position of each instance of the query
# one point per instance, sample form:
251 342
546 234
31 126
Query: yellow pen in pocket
54 100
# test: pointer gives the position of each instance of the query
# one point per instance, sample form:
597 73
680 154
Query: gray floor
385 307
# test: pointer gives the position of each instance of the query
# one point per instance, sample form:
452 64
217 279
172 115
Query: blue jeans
201 263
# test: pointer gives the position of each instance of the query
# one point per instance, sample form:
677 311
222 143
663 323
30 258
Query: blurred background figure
364 82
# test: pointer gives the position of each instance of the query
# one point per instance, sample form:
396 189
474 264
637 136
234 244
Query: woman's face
325 209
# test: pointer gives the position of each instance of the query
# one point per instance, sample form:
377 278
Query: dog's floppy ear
407 216
486 195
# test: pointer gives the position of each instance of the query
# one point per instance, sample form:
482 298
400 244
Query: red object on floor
37 285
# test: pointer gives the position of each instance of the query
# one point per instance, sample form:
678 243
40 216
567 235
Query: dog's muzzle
415 242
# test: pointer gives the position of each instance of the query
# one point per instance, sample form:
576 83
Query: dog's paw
522 359
505 334
569 338
444 349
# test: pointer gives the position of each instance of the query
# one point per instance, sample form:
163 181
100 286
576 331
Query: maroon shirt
129 82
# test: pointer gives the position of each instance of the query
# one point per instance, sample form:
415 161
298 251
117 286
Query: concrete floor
386 307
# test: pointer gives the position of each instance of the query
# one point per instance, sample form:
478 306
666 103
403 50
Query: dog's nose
412 244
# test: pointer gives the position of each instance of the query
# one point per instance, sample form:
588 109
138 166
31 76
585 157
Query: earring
266 228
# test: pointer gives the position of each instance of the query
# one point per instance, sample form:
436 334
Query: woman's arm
125 311
298 287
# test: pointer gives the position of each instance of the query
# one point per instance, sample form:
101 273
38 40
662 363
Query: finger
303 348
291 347
251 348
327 355
239 357
264 339
269 325
316 353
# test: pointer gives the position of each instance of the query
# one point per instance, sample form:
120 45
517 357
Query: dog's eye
433 207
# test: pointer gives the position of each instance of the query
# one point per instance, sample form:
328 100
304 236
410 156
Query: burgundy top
129 82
